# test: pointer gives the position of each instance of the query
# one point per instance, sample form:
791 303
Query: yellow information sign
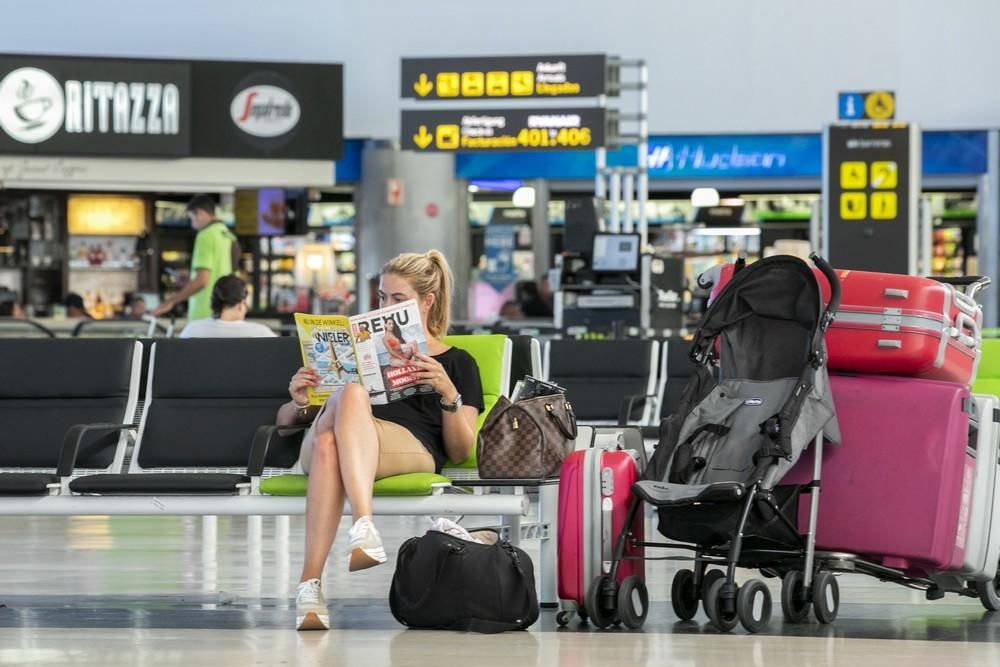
447 137
473 84
883 205
885 175
522 83
852 205
497 84
853 175
449 84
880 105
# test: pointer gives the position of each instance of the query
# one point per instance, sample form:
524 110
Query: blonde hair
427 273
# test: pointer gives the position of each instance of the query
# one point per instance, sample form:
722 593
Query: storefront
98 157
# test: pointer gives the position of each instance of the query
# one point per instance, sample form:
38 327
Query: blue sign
851 106
348 168
717 156
498 246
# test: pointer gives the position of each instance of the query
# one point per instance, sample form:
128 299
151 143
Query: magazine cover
374 349
385 341
328 348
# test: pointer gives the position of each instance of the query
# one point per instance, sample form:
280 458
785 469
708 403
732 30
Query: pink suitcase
898 488
595 492
889 324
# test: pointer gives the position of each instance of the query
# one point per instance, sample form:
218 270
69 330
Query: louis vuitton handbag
527 438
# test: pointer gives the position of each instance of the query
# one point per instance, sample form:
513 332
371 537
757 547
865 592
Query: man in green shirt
216 254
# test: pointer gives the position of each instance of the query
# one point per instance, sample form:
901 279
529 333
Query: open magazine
373 349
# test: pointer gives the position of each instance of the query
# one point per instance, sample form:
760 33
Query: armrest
74 438
626 405
269 437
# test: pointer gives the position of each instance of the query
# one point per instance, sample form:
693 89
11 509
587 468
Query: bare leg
357 448
324 497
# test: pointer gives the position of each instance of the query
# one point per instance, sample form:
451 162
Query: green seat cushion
488 351
410 484
989 386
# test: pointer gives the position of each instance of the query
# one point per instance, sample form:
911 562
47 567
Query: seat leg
548 565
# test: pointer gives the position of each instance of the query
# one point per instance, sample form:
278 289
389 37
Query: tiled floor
136 591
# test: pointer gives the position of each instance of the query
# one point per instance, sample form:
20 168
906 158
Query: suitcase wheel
989 593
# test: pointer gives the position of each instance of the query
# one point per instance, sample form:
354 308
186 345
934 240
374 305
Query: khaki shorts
399 451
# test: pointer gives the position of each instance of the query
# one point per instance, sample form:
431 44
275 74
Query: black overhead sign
492 130
506 77
163 108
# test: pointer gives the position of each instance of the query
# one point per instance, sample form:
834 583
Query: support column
541 233
410 202
988 232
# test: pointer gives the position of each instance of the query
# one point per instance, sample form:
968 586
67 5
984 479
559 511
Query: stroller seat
665 494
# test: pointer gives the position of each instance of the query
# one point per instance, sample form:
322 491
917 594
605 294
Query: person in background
135 307
216 254
11 309
533 304
351 443
511 310
229 312
75 309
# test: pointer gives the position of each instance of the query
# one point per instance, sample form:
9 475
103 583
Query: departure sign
487 130
499 78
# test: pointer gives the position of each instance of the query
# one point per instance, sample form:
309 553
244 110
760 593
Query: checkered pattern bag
526 440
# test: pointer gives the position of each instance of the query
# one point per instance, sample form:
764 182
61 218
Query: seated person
11 309
351 442
229 312
135 308
75 309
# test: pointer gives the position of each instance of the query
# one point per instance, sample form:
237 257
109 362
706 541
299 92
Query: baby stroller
713 477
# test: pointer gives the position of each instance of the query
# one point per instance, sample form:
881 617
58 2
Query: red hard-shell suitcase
890 324
595 492
898 489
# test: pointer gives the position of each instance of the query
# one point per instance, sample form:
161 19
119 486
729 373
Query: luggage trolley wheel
826 597
563 618
989 593
683 597
715 607
753 605
594 602
633 602
794 607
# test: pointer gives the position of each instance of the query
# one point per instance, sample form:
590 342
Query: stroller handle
831 277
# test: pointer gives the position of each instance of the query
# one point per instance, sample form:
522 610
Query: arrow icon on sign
423 86
423 138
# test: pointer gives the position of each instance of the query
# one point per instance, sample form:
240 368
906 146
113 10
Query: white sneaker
366 545
311 612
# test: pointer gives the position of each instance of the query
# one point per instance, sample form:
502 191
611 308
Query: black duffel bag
446 583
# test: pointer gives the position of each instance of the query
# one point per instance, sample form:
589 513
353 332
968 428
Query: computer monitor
615 253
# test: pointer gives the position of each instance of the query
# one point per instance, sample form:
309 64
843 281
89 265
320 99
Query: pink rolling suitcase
898 489
595 492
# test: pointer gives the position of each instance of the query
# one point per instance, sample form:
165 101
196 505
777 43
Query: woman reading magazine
351 442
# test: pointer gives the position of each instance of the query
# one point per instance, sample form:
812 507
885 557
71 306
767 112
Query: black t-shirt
421 415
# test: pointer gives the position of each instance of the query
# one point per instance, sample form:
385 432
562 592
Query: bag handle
442 561
569 432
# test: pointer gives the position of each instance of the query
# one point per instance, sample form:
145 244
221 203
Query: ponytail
427 273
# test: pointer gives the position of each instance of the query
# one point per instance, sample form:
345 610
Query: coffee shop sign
34 106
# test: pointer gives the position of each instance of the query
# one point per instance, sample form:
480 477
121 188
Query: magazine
372 349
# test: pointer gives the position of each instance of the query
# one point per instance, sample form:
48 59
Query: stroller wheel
989 593
794 607
826 597
753 605
720 611
633 602
595 602
711 576
562 618
683 597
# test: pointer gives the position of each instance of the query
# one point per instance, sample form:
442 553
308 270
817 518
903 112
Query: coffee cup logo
32 106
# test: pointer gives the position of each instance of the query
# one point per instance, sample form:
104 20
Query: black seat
11 327
679 368
523 359
599 375
206 401
50 386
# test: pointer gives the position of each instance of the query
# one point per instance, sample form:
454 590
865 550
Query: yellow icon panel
448 84
447 137
852 206
473 84
880 105
497 84
883 205
423 138
522 82
885 175
853 175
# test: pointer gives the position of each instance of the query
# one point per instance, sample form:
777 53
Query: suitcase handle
965 323
893 293
888 344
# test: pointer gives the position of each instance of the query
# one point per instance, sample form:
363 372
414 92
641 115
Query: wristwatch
454 405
